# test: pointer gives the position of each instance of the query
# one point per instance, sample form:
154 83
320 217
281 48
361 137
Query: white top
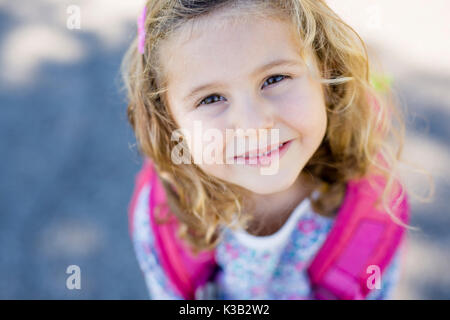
277 239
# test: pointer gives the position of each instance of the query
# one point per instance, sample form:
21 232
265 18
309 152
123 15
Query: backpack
361 236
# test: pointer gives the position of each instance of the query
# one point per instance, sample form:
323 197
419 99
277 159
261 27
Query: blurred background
68 157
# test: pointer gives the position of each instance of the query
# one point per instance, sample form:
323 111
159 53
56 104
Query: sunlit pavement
68 157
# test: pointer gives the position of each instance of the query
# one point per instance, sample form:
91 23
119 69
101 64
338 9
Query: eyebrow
270 65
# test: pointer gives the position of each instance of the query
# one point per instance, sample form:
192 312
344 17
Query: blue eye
208 99
215 97
278 77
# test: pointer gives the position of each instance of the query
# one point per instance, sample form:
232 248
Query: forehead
225 45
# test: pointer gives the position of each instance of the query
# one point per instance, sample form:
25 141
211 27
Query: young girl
292 67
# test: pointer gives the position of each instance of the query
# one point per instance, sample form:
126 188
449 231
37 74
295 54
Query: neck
271 211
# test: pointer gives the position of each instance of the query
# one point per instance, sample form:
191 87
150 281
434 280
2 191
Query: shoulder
142 180
375 191
140 216
144 246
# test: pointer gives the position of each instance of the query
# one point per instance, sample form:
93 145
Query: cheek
205 139
303 109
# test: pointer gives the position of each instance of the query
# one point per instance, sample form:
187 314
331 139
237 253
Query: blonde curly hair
365 130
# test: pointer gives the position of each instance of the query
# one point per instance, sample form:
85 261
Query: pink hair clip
141 30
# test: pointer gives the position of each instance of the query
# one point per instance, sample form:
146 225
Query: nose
252 113
252 120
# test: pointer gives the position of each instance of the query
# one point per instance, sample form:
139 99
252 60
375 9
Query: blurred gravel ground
67 165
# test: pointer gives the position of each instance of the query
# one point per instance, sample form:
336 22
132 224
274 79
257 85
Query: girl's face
251 76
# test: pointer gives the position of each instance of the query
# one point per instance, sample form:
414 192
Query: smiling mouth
264 158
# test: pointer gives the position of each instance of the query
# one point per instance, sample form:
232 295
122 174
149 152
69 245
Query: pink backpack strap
142 178
185 271
361 236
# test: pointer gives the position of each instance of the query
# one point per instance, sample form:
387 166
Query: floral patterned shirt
252 267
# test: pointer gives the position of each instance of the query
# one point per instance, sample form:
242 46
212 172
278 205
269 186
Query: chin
269 184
